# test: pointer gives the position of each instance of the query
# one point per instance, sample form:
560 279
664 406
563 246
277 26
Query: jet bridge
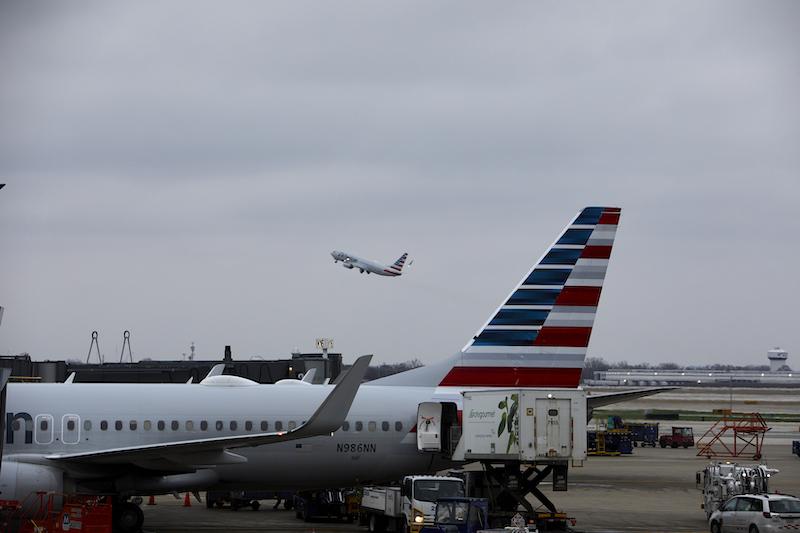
520 437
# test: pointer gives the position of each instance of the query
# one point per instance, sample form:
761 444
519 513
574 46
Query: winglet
308 377
332 413
216 370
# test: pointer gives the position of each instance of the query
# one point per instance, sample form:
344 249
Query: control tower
777 358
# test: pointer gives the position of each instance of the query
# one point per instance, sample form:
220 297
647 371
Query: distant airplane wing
328 417
596 401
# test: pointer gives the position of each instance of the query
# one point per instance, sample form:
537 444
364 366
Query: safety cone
186 501
152 500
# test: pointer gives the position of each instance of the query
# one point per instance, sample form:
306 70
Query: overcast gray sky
183 169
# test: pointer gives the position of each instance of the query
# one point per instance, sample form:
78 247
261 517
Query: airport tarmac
652 490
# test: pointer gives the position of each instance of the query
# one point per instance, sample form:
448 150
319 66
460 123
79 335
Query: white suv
757 513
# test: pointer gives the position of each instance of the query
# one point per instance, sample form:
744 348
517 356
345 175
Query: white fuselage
383 449
364 265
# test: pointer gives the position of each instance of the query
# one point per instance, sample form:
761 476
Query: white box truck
409 507
527 425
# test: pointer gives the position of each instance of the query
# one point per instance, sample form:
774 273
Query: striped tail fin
539 334
397 267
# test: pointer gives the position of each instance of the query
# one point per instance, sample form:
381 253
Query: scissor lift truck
520 437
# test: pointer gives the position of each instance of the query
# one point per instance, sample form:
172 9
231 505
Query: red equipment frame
749 430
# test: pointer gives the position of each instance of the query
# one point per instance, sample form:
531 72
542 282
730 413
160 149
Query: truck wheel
685 445
674 445
715 527
753 529
255 504
376 524
663 445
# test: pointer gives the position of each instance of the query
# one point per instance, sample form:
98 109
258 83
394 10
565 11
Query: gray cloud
181 169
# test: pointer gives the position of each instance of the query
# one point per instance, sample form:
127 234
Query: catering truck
408 507
528 425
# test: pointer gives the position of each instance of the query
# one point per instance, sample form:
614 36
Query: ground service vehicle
643 434
465 515
239 499
721 481
408 507
681 436
757 513
331 504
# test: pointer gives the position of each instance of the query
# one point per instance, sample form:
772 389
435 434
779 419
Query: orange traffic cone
186 501
151 501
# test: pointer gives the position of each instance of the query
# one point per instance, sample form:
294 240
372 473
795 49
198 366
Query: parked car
756 513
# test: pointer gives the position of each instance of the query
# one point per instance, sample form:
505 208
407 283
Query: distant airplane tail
539 334
397 267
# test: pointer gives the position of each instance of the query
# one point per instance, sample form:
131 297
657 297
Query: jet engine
18 481
347 265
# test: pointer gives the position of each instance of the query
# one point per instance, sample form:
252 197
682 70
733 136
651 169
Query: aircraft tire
127 518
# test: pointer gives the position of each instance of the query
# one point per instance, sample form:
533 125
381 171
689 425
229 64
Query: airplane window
359 426
278 426
189 425
219 425
70 425
398 426
132 425
233 425
264 425
118 425
292 425
203 425
15 425
385 425
248 426
103 425
372 426
147 425
161 425
346 426
87 425
43 425
175 425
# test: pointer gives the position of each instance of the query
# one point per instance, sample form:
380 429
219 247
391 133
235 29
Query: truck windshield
784 506
451 512
430 490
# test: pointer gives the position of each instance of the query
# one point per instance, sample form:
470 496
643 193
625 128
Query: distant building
779 375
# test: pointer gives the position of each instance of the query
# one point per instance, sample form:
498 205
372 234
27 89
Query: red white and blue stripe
538 337
396 268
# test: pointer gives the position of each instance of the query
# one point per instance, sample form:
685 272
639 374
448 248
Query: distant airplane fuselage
367 266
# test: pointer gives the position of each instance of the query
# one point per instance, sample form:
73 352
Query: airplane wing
601 400
328 417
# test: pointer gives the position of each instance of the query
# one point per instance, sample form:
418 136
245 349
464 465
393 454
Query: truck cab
408 507
681 436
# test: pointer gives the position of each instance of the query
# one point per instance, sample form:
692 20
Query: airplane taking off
367 266
231 433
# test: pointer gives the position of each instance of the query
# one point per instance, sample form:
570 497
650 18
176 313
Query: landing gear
127 517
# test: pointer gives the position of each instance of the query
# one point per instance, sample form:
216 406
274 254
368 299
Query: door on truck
553 427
